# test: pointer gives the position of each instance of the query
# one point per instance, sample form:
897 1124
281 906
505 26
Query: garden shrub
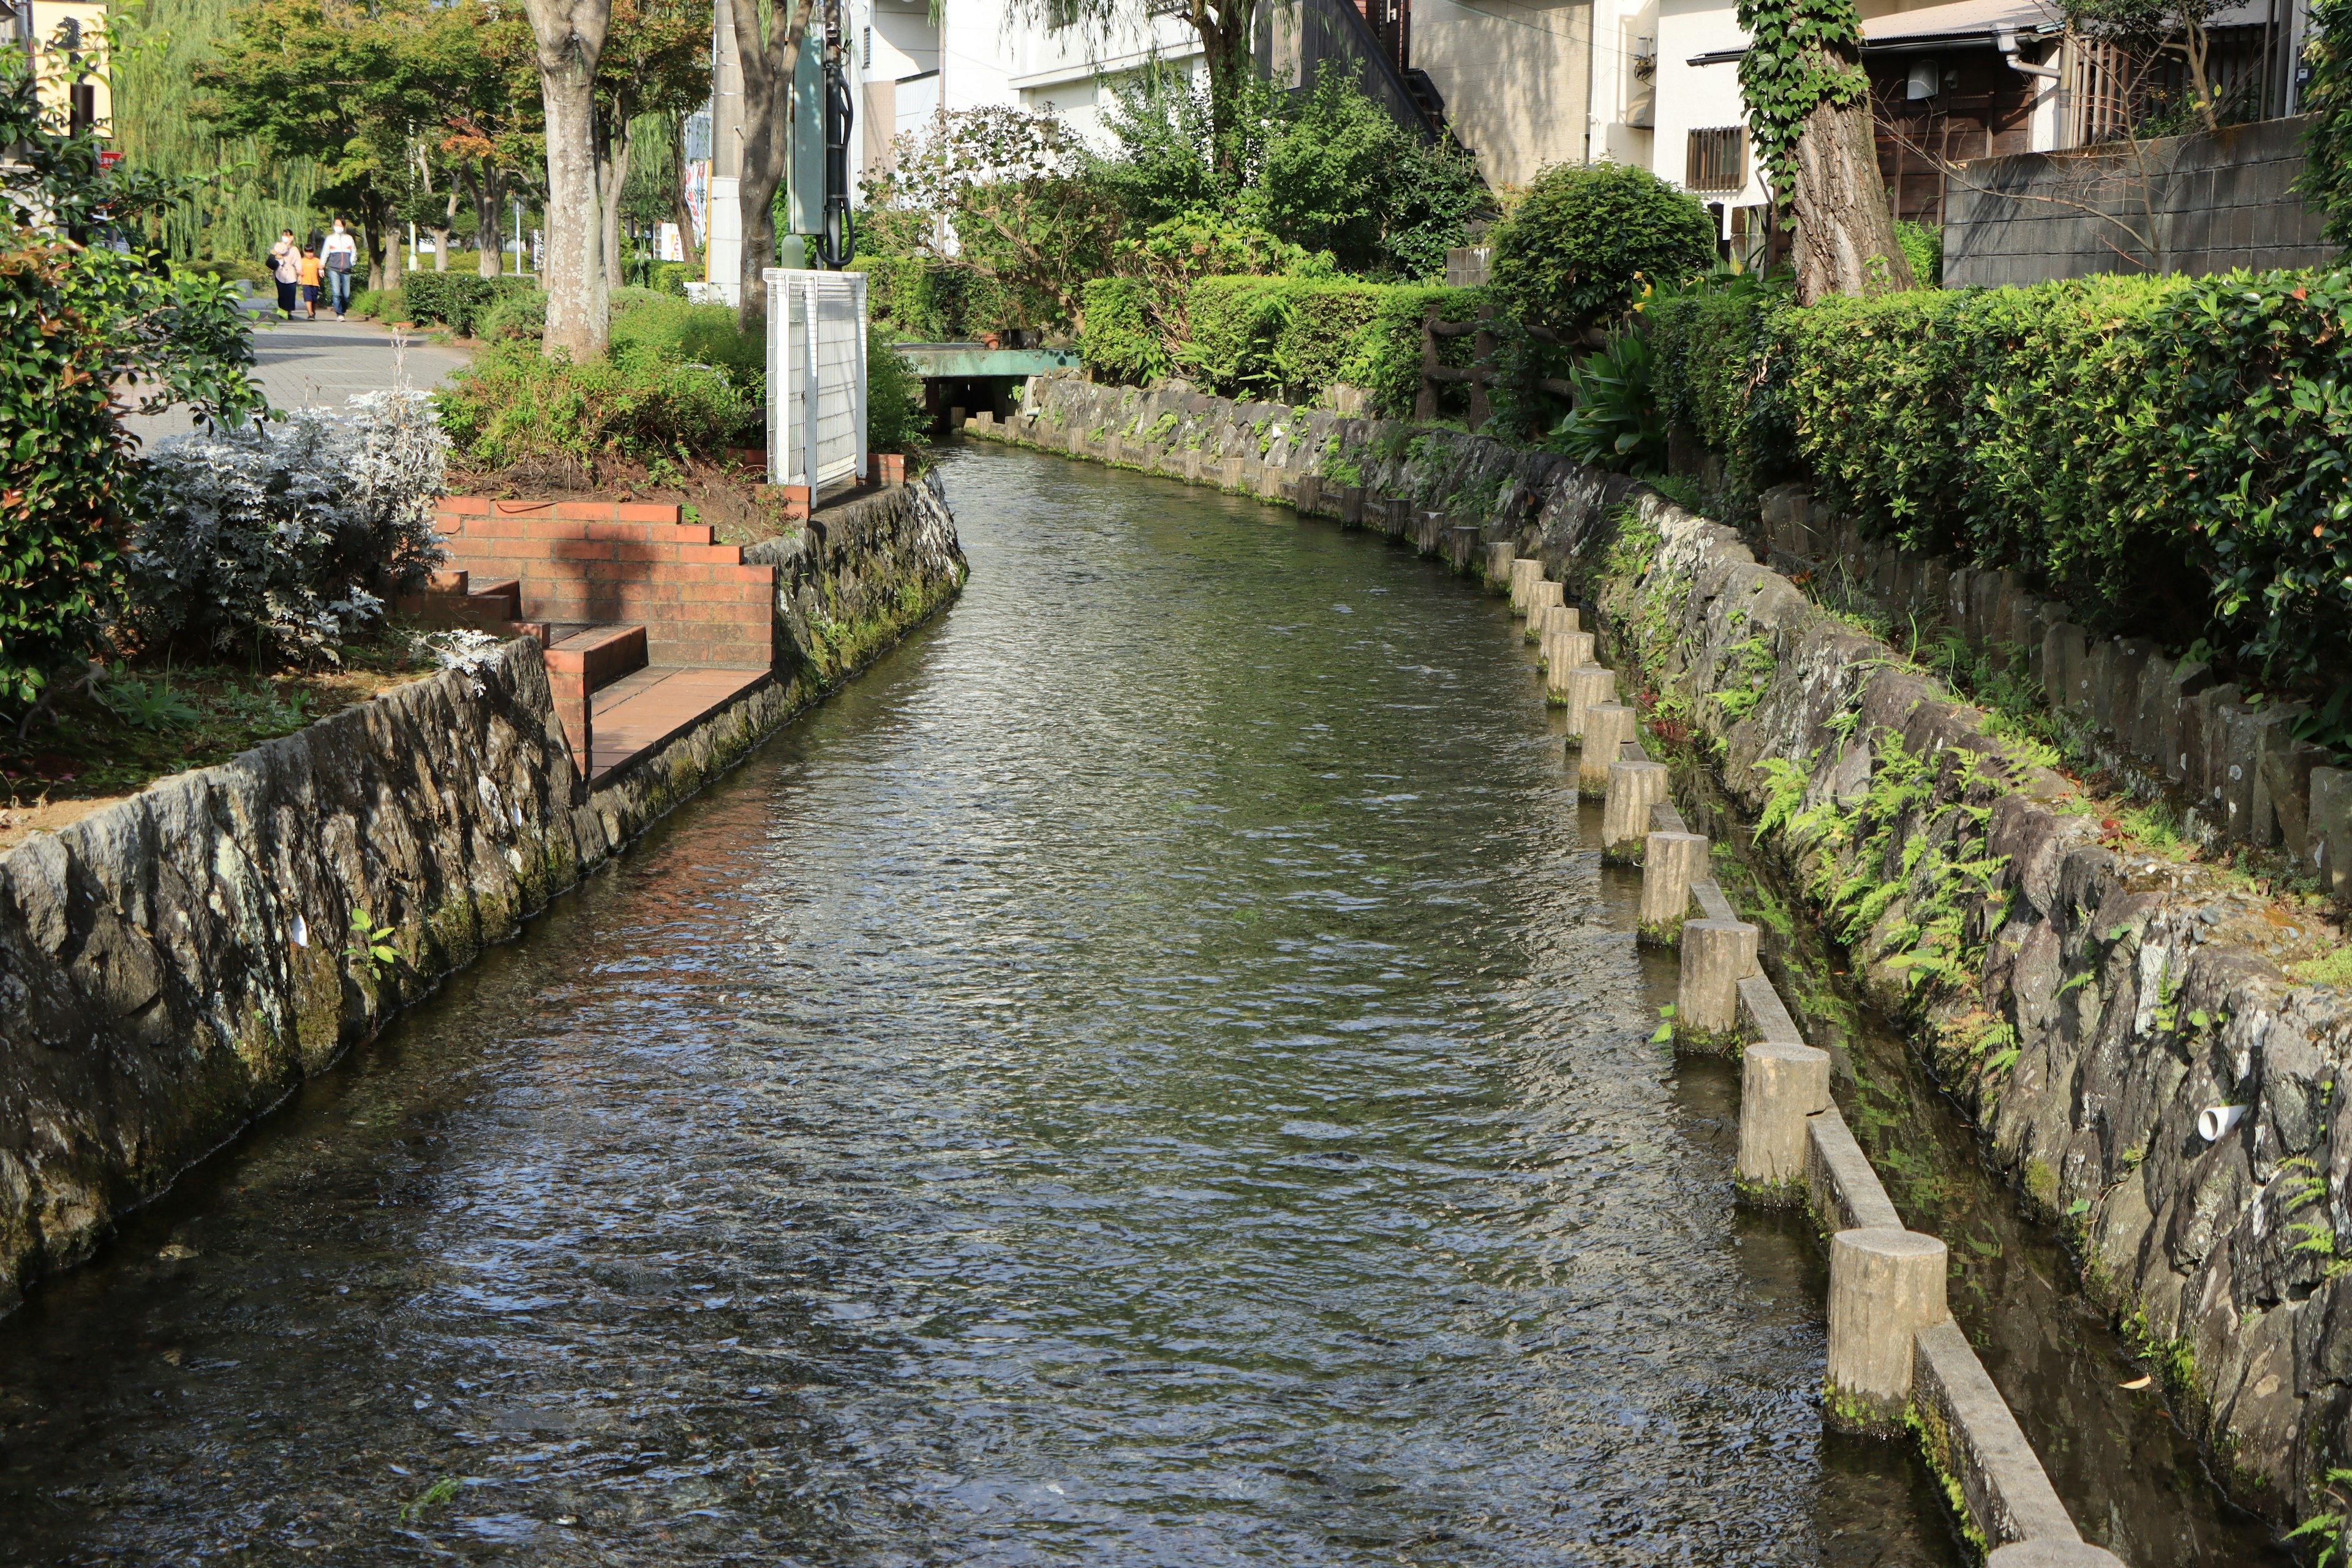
459 299
381 304
515 315
1922 248
288 538
1385 358
671 278
895 419
655 329
1119 341
2164 451
1585 237
1266 336
514 405
64 499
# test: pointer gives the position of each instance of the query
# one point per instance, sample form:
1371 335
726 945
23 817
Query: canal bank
1153 1073
1697 623
174 965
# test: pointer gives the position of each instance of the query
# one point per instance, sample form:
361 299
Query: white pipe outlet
2213 1122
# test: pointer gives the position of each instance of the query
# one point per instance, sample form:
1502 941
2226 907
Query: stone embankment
174 965
2124 1025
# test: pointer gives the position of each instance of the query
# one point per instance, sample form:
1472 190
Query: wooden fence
1481 373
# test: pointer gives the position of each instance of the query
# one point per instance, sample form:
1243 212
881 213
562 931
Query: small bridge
959 379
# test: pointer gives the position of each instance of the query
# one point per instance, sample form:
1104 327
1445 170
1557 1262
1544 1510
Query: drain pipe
2005 40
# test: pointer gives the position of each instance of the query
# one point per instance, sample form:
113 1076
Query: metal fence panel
816 376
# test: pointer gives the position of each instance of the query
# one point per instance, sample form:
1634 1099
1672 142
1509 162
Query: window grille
1716 160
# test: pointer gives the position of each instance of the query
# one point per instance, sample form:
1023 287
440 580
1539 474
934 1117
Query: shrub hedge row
459 299
928 300
1264 336
2157 449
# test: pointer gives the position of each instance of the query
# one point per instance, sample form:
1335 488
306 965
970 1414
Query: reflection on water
1151 1076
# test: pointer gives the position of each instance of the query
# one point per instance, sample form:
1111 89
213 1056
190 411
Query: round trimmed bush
1582 241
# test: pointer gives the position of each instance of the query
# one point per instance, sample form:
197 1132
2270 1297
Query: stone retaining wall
2107 998
174 965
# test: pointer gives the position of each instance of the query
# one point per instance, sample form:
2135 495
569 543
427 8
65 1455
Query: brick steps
580 665
622 562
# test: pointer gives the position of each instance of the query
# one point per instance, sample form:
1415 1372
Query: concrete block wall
2164 725
700 604
2209 202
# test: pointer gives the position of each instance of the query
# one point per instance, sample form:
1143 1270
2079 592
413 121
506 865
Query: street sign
108 160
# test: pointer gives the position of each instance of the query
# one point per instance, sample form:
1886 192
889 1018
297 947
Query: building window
1716 160
866 56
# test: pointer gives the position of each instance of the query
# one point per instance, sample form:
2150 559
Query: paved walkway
318 364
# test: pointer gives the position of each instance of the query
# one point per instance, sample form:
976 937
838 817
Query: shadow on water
1150 1074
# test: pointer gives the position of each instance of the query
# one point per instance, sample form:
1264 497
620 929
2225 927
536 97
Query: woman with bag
341 253
285 270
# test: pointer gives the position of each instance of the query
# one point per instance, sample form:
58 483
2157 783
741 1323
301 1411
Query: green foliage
516 314
1259 336
2326 182
149 705
895 421
512 405
924 300
1581 243
670 277
1615 422
1385 359
1802 55
652 329
461 299
1121 342
381 304
1923 246
2176 446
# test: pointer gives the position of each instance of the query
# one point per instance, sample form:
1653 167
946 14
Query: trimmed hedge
1119 342
2163 451
459 299
928 300
1260 336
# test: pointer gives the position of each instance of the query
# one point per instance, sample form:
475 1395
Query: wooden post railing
1481 374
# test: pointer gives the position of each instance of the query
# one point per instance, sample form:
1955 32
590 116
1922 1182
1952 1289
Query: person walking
311 271
342 259
286 271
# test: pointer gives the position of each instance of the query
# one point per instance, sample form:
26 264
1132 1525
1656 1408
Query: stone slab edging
1998 1485
2118 999
2168 728
174 965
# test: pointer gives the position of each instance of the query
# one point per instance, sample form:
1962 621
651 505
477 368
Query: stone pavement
318 364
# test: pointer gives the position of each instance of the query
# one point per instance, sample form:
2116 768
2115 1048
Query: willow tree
1809 111
570 35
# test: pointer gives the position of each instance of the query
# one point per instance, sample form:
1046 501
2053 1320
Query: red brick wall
604 562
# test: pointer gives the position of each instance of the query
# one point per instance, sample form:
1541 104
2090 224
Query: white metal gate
816 376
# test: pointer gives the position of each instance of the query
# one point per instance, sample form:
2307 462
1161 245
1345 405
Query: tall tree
658 63
1809 111
570 35
482 63
334 83
770 50
1225 29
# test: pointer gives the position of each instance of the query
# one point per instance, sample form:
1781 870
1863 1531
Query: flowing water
1151 1074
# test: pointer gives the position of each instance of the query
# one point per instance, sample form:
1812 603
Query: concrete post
1717 956
1885 1285
1499 558
1525 575
1631 790
1671 862
1587 684
1782 1086
1564 653
2053 1554
1607 727
1542 594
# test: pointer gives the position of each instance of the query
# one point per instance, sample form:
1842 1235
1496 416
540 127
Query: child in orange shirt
310 281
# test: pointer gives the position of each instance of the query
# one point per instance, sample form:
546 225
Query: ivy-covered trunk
1846 232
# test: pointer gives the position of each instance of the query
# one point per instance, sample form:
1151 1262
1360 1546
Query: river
1153 1073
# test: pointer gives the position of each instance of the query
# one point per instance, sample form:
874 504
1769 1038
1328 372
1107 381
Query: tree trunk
1225 51
571 39
611 173
684 213
770 59
383 260
487 192
1845 240
440 248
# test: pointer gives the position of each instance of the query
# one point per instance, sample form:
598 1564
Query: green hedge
928 300
459 299
2161 451
1119 341
1264 336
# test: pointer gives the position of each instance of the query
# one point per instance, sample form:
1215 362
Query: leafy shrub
515 315
1261 336
290 537
656 330
895 420
459 299
1922 248
2326 182
513 404
671 278
1615 422
1385 358
1715 379
1120 340
1584 238
381 304
2164 451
